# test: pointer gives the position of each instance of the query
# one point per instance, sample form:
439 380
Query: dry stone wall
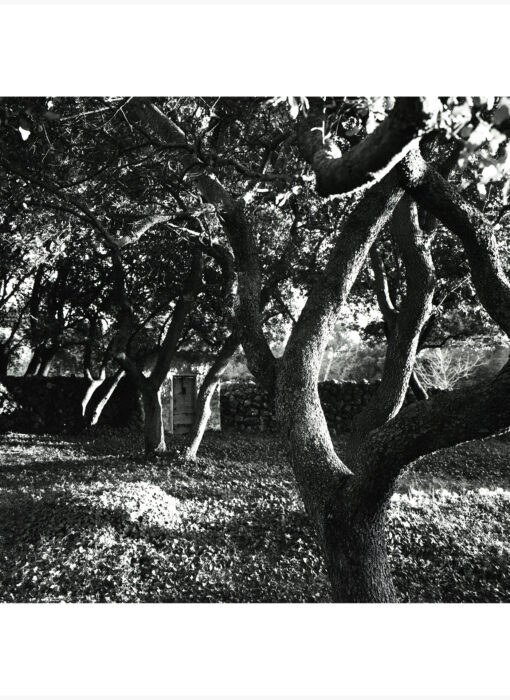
53 404
246 407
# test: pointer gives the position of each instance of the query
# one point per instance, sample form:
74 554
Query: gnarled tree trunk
352 547
356 556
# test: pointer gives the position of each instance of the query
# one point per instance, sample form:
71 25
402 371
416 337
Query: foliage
433 557
86 520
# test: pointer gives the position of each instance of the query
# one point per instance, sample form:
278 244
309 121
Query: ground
87 519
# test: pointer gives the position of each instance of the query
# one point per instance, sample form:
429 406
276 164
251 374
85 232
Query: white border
253 49
259 649
236 650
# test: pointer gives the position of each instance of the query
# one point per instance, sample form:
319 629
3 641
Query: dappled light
230 527
254 348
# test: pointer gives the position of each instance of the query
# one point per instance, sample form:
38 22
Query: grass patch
87 520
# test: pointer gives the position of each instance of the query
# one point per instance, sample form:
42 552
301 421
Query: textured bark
356 556
405 325
444 420
434 193
261 361
321 476
419 390
369 161
206 392
154 434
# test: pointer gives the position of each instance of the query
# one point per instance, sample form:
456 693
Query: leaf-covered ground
87 519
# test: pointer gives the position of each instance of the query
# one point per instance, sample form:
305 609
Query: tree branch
369 161
232 216
181 312
444 420
404 337
434 193
382 290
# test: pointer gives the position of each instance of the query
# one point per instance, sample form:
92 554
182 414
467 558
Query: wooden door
184 396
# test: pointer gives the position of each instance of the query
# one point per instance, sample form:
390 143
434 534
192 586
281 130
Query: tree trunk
153 420
95 414
93 385
352 539
356 557
33 365
4 360
47 356
418 389
203 413
203 407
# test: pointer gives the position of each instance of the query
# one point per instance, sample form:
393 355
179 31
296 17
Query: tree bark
356 557
435 194
405 325
34 364
114 382
322 478
446 419
369 161
206 392
5 357
153 420
47 357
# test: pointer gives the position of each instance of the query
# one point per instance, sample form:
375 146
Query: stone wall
53 404
246 407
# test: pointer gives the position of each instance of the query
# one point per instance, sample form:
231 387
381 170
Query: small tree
443 369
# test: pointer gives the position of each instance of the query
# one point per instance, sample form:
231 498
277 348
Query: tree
347 502
287 200
99 188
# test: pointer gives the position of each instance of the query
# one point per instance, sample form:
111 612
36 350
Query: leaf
52 116
490 174
482 190
25 133
502 112
294 107
371 123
